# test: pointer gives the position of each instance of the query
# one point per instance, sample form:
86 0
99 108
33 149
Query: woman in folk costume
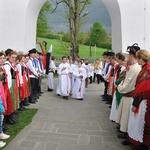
25 61
63 88
139 120
13 85
126 88
50 79
10 108
111 79
22 80
80 75
117 96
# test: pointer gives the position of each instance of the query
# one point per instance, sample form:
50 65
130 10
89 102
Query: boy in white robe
80 75
63 87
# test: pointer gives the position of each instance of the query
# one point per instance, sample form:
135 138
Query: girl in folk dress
23 82
79 86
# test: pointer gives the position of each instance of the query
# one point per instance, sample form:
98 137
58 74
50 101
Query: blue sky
97 12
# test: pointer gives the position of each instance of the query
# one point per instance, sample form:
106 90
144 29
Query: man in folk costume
106 76
126 88
50 79
139 120
63 88
33 74
105 55
40 71
79 74
41 68
13 84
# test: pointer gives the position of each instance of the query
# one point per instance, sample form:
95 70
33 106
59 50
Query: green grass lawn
25 118
61 48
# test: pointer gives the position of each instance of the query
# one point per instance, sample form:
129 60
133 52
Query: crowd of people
126 80
20 85
74 76
127 90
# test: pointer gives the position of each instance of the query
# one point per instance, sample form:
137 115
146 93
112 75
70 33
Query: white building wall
133 23
130 23
134 19
115 15
18 23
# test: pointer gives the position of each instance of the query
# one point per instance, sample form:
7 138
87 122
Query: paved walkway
69 125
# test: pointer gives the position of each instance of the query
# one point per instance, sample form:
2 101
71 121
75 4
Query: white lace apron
137 122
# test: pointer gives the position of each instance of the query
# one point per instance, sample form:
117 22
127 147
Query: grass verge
25 118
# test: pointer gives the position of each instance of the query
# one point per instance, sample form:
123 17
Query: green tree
98 34
42 24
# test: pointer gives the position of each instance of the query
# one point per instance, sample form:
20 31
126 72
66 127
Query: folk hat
133 49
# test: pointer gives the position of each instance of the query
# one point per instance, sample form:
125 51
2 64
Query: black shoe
104 100
122 136
126 142
81 99
66 97
50 90
58 95
5 129
14 116
118 127
16 112
32 101
110 107
41 92
26 104
9 120
36 100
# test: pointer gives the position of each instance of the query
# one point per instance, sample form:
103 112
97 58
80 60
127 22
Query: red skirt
10 107
24 89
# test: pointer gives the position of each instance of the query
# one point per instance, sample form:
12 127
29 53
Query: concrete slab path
69 124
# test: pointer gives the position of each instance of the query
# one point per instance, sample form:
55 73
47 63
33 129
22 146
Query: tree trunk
76 25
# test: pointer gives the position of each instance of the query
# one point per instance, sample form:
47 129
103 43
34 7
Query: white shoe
2 144
4 136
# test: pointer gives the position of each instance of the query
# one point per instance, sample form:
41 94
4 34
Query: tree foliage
75 14
42 24
98 36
